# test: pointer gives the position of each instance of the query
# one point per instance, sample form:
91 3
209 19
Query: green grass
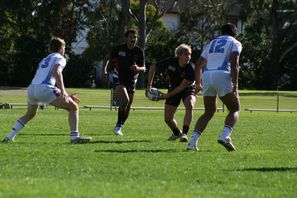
143 163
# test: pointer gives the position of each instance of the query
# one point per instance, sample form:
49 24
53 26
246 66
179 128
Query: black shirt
175 74
122 59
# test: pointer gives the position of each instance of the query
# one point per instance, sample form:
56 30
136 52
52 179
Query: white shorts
42 94
216 83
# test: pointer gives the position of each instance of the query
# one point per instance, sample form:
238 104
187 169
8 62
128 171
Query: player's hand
163 96
105 76
198 88
134 68
74 98
148 89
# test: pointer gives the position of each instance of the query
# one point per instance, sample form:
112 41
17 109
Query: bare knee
72 107
30 114
168 119
209 113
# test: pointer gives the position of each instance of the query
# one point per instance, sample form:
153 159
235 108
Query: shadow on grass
43 134
118 141
138 151
266 169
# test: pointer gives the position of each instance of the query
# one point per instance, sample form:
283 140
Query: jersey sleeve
113 53
237 47
141 58
163 64
190 72
204 52
61 62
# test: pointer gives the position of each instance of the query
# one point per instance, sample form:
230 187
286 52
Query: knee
235 109
124 102
73 107
168 120
31 114
209 113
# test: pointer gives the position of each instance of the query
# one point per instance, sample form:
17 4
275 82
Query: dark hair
229 29
131 31
55 44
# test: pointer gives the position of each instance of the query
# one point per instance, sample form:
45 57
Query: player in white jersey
47 87
218 68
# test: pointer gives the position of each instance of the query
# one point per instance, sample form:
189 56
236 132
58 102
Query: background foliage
268 59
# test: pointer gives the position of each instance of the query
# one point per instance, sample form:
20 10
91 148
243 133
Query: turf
142 163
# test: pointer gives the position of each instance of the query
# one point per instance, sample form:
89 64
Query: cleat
7 140
174 137
118 131
183 137
192 146
227 143
80 140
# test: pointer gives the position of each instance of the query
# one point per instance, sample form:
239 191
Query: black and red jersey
122 59
175 74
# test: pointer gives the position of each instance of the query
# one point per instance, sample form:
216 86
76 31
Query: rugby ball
153 94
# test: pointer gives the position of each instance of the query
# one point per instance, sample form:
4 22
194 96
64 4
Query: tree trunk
271 75
142 36
123 20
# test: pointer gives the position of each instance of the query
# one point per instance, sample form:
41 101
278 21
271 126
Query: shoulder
191 65
137 48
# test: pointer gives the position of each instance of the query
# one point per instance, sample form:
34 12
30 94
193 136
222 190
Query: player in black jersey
179 71
127 60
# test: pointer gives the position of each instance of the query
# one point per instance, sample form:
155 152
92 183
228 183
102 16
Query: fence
251 101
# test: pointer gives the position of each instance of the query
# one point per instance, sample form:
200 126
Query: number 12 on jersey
217 46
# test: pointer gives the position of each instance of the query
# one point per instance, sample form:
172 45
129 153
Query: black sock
185 129
121 114
176 131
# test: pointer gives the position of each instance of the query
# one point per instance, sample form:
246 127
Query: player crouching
47 87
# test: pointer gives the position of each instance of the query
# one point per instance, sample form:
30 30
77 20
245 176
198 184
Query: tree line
268 60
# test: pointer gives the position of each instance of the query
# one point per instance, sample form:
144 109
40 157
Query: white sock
226 131
74 134
18 125
196 135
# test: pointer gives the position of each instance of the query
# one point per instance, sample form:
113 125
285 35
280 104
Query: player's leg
210 106
65 102
21 122
231 100
169 117
233 105
201 124
127 111
124 100
189 103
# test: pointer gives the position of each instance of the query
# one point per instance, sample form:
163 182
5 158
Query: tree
28 27
273 23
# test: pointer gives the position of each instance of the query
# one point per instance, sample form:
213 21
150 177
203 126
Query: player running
219 62
127 60
42 90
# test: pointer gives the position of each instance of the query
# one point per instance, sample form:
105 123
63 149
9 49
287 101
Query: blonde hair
181 49
56 43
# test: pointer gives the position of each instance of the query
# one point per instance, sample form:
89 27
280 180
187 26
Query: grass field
143 163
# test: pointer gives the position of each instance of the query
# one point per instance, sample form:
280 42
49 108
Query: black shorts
130 87
175 100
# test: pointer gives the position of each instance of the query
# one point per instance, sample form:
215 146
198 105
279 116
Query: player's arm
57 73
140 66
150 77
201 62
185 83
234 64
106 63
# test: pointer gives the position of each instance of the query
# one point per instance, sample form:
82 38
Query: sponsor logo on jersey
121 53
171 68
